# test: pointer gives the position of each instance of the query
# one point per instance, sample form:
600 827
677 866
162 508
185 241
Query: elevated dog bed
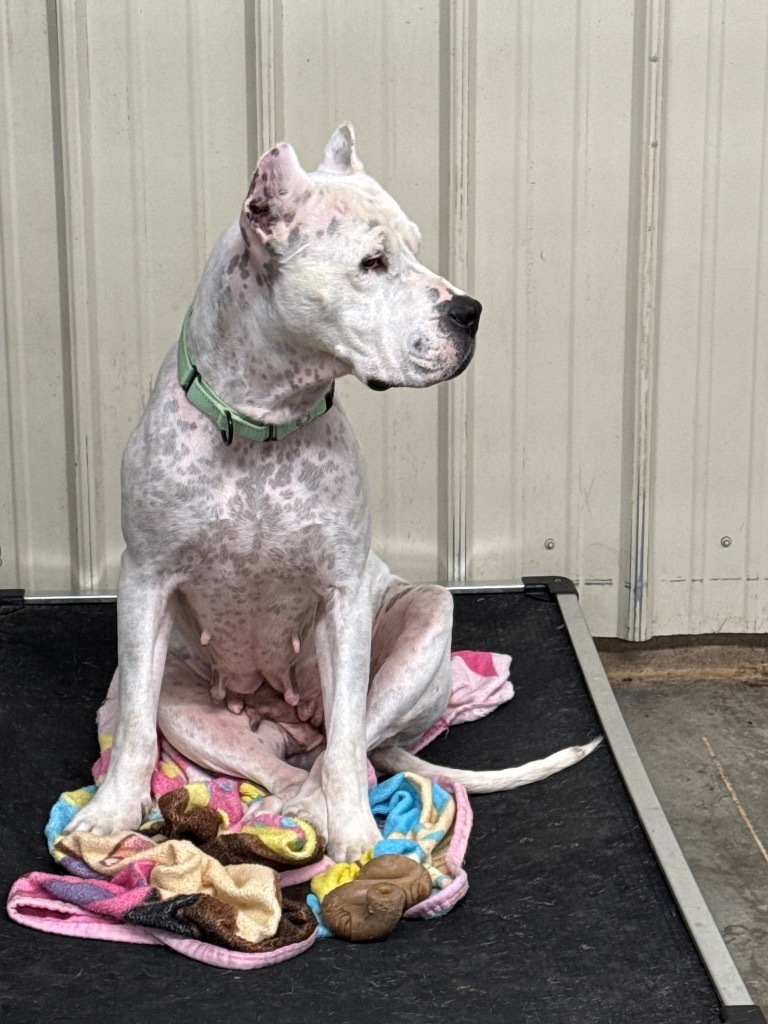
580 905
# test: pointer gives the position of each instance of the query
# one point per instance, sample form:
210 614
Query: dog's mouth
465 360
380 385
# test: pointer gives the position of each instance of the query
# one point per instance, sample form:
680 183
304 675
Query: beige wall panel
596 173
156 162
552 193
36 520
378 65
709 541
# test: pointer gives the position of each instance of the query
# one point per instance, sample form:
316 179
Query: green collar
229 420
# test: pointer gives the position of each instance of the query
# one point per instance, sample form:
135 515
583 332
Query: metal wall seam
80 300
457 397
647 316
35 517
264 71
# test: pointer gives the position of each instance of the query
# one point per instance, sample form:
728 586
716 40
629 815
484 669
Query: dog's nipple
205 638
235 703
296 645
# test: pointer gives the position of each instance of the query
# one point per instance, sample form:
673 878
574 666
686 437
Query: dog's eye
374 262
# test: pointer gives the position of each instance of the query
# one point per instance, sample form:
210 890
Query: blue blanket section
398 808
62 812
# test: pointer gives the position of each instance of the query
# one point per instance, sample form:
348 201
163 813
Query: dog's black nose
465 312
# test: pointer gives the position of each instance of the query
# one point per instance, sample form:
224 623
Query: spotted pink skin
248 583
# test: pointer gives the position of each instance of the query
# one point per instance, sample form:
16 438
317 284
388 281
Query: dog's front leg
343 638
143 622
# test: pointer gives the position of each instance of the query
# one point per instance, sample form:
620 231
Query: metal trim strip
710 944
491 587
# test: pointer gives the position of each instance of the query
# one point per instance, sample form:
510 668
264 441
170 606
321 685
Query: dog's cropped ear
278 188
340 156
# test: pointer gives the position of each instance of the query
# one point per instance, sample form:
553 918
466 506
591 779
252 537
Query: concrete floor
698 713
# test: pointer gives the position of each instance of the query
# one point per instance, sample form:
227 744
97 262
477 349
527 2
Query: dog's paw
267 805
309 804
350 838
104 814
296 801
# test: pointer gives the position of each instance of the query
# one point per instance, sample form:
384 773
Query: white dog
248 584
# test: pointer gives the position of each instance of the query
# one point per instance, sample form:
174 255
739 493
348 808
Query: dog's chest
255 535
252 581
287 508
268 533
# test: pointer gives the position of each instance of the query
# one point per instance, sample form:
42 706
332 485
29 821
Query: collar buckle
227 438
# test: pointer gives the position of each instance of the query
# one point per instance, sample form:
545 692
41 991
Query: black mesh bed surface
568 917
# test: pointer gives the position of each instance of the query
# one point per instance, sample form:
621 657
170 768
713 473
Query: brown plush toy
370 906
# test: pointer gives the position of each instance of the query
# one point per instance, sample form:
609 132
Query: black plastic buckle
193 377
230 433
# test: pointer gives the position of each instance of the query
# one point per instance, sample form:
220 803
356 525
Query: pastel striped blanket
210 876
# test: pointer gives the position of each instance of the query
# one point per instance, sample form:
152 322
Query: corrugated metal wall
594 171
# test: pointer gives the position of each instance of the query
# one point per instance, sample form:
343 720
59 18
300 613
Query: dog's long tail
395 759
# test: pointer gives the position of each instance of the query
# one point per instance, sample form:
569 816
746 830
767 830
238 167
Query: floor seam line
735 798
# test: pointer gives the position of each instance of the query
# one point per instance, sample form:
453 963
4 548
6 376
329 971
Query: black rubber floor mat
568 917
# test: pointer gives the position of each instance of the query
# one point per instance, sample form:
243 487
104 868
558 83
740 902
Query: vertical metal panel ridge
57 127
597 77
139 115
646 320
502 276
35 521
198 139
10 554
74 67
264 73
755 541
707 285
579 100
456 396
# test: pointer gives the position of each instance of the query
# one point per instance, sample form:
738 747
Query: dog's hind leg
410 664
411 686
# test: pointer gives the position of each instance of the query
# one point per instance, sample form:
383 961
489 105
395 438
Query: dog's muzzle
459 320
